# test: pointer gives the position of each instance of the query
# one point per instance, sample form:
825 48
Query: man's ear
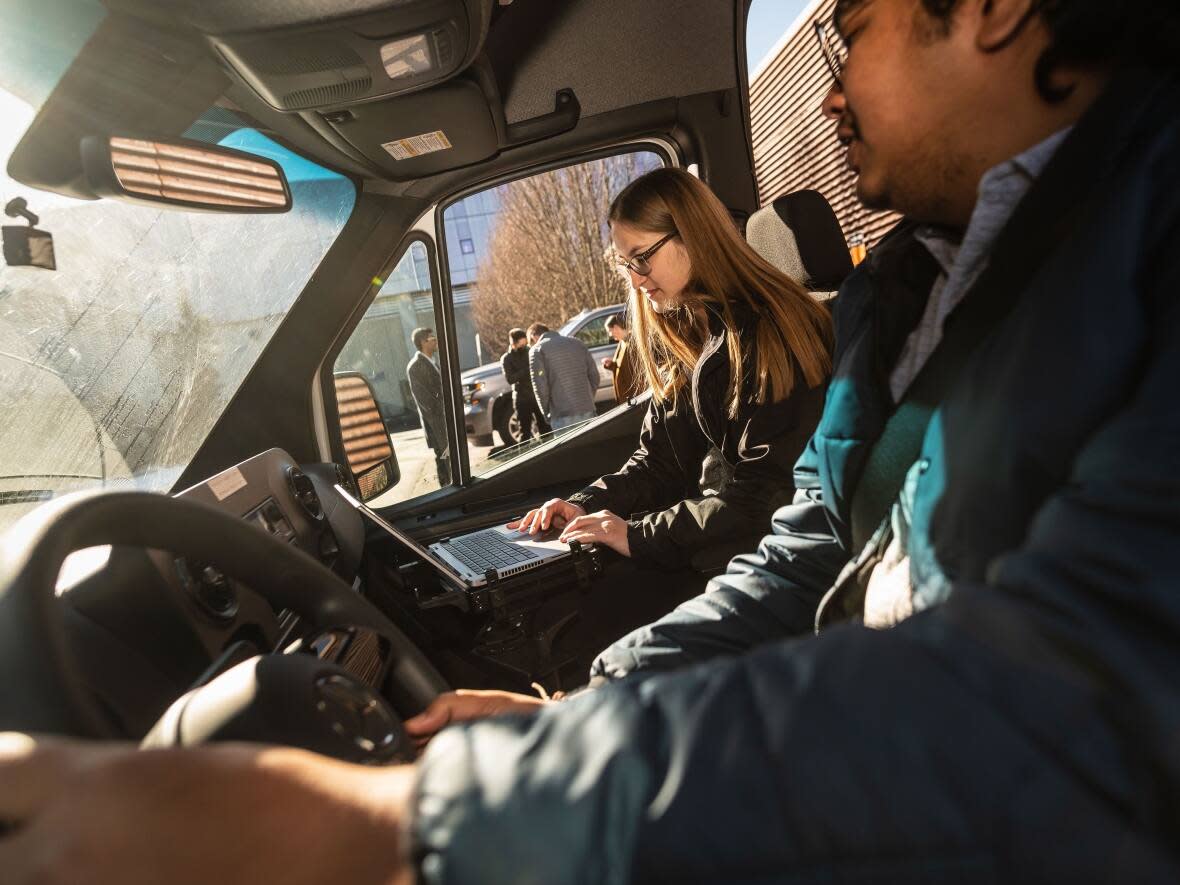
1000 22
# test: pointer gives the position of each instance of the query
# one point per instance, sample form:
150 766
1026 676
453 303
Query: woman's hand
465 705
554 512
608 363
602 527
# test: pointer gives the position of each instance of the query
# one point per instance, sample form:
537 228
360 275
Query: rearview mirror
367 449
184 174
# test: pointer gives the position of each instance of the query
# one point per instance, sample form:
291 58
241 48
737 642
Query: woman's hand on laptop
465 705
602 527
554 512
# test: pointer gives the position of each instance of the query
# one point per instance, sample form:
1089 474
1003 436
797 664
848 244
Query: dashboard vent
363 657
305 493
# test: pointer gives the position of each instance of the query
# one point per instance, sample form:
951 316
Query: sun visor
415 135
408 46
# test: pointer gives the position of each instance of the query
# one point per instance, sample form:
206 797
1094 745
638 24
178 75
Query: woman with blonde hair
737 356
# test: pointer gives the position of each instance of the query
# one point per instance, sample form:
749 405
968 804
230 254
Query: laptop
474 559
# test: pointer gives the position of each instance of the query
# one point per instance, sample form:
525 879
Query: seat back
799 234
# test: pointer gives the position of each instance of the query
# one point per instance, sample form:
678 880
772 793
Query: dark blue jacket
1026 728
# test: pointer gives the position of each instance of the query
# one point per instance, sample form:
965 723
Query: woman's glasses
640 264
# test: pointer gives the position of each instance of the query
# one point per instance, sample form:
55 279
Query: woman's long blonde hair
726 271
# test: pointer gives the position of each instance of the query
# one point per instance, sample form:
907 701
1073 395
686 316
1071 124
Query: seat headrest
799 234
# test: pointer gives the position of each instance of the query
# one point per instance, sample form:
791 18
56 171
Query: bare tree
548 253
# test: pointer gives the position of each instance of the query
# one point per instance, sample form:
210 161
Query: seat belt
1050 210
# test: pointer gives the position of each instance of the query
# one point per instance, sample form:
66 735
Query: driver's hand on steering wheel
554 512
86 813
465 705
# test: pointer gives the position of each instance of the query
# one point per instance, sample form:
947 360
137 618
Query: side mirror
26 246
367 449
184 174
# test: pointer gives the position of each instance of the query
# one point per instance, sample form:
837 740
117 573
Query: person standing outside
626 381
565 376
515 366
426 388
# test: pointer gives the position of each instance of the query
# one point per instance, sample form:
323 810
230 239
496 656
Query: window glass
594 334
115 366
532 250
404 374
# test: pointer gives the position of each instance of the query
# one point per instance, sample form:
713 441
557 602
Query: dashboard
148 625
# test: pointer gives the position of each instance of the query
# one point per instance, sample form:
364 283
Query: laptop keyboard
488 549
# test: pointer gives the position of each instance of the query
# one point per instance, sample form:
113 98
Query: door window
395 346
534 250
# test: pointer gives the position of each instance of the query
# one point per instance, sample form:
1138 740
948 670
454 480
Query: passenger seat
799 234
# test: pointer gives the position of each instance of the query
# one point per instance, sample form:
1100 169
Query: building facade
795 148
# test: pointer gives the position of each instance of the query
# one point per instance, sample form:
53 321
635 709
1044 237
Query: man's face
520 342
906 110
429 345
532 339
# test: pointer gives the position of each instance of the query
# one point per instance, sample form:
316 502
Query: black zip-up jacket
515 366
659 489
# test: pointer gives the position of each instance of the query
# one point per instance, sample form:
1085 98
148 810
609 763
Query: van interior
232 215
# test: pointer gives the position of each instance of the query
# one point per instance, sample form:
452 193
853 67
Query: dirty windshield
115 366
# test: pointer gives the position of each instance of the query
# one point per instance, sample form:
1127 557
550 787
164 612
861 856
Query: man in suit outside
426 388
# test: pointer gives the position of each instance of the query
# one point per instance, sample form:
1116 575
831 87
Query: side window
534 250
395 347
593 332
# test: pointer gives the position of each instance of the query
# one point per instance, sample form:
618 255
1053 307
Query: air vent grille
363 657
319 96
304 491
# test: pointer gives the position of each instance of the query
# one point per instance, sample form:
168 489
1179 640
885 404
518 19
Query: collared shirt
962 261
889 595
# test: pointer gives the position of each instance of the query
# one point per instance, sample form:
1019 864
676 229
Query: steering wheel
41 690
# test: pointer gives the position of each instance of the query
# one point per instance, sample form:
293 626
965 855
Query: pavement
419 473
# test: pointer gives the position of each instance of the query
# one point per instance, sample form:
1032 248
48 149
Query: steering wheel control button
357 714
209 588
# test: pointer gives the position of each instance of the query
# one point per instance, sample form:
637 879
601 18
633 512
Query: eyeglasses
832 45
640 264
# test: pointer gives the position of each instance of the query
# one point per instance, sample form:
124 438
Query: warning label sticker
417 145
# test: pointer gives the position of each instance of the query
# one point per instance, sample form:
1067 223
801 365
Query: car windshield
115 366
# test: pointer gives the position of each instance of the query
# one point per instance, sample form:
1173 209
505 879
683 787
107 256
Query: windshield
115 366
